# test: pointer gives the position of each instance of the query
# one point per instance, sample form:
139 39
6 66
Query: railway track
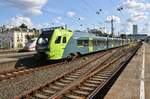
12 86
19 72
8 51
79 83
17 55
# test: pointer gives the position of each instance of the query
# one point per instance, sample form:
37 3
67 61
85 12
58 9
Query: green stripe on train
91 49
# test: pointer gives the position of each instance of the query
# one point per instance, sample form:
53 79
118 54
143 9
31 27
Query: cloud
137 9
134 5
58 19
29 7
126 28
18 20
146 29
43 25
115 18
138 16
71 13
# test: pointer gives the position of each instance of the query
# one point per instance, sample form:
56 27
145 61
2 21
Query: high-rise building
135 29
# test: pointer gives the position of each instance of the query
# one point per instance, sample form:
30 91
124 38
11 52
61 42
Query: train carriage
59 43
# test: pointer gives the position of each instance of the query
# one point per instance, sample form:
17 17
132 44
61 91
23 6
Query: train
60 43
30 45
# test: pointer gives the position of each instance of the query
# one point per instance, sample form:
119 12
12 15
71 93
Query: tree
28 37
123 36
5 45
23 26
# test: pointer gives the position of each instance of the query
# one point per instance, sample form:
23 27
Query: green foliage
5 45
23 26
123 36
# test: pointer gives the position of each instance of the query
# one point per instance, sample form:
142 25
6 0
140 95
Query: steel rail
26 94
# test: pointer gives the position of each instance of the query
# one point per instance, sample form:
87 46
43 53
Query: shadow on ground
31 62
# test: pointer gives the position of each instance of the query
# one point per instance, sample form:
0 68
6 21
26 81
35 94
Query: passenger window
82 43
58 40
64 40
79 43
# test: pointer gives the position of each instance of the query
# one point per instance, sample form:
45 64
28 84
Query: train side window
58 40
85 43
79 43
64 40
82 42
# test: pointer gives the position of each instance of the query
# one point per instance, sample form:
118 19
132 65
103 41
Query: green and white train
59 43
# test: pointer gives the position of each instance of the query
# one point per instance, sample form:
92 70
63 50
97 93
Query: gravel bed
10 88
13 87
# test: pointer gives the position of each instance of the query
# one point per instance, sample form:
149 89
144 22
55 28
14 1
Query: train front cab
58 44
54 43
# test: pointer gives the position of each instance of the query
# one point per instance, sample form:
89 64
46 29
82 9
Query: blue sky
47 13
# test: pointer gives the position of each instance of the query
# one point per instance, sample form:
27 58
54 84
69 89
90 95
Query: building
16 38
135 29
137 36
1 39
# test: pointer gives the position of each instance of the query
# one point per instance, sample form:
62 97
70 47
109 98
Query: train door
90 45
59 45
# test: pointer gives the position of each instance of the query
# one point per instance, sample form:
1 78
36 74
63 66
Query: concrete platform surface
134 81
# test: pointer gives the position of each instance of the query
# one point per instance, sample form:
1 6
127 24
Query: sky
77 14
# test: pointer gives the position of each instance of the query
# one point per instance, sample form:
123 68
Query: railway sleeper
65 81
70 78
98 76
55 87
71 96
81 92
86 88
102 75
49 92
15 73
90 84
97 79
93 81
2 76
60 83
74 76
40 96
79 72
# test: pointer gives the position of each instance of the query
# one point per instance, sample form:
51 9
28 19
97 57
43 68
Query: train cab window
82 43
64 40
58 40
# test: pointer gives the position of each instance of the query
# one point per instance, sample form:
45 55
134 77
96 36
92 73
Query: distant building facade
137 36
15 38
1 40
135 29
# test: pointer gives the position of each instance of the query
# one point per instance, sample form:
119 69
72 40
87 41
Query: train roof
84 34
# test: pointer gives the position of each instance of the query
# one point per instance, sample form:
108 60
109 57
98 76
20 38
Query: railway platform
134 81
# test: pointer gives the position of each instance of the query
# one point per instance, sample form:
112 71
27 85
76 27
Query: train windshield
44 38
